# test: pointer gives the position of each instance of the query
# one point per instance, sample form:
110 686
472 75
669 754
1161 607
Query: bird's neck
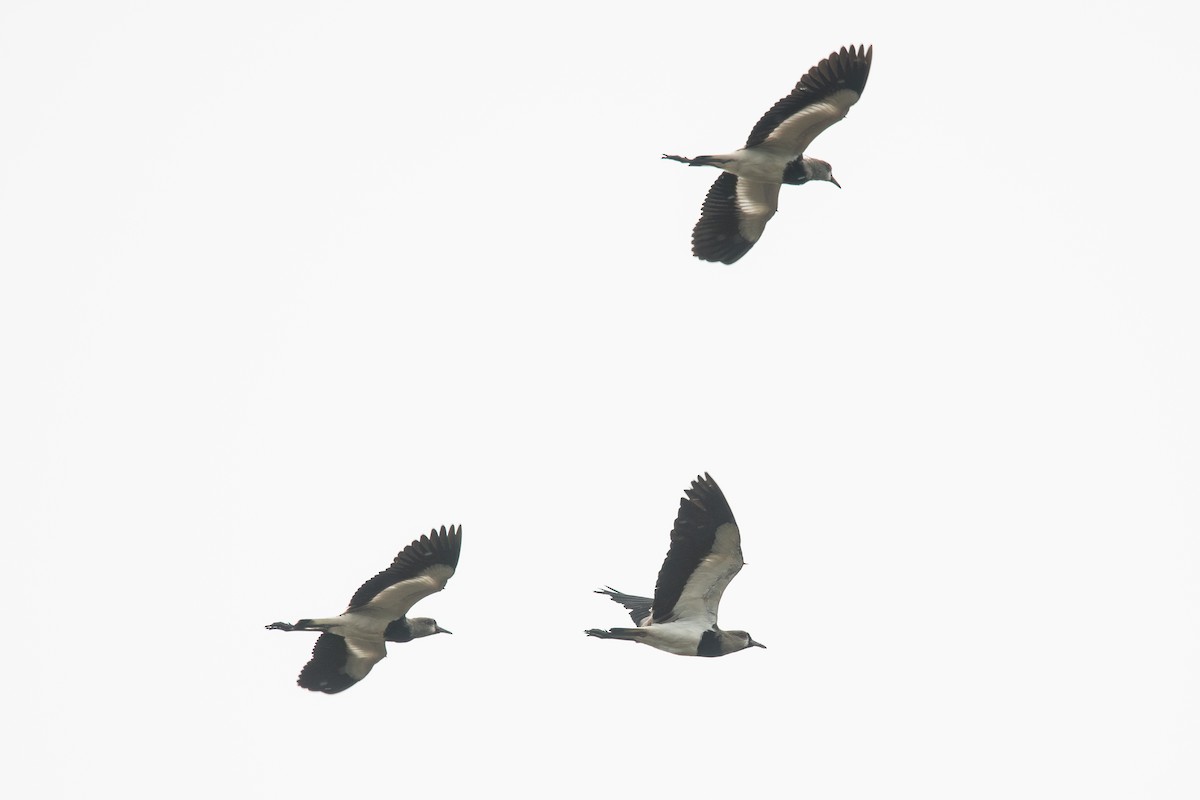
797 172
398 631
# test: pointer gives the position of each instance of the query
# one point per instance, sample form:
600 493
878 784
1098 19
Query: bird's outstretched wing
733 217
821 98
419 570
705 554
337 663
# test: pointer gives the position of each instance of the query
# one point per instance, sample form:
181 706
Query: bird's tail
640 608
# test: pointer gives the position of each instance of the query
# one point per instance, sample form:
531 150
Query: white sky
287 284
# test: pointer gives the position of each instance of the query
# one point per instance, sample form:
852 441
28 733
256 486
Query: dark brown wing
417 560
733 217
699 562
843 71
337 665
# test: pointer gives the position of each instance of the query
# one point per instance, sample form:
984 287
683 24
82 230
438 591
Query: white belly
758 164
681 638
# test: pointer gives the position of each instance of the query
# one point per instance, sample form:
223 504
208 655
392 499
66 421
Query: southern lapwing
738 205
353 642
705 554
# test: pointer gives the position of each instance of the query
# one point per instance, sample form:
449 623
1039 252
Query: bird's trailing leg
630 634
698 161
322 625
301 625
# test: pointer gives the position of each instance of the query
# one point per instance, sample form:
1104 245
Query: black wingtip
440 543
707 495
325 671
717 235
847 68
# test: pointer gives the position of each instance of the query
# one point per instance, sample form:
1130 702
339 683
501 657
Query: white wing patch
395 601
795 134
702 593
362 654
757 201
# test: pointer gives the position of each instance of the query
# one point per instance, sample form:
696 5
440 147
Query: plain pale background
286 284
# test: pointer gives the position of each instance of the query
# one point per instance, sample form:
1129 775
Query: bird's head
805 169
819 170
424 626
745 640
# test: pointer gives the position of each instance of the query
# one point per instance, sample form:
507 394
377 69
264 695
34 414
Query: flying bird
705 554
353 642
746 195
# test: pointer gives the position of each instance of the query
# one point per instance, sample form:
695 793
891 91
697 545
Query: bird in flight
353 642
705 554
746 195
